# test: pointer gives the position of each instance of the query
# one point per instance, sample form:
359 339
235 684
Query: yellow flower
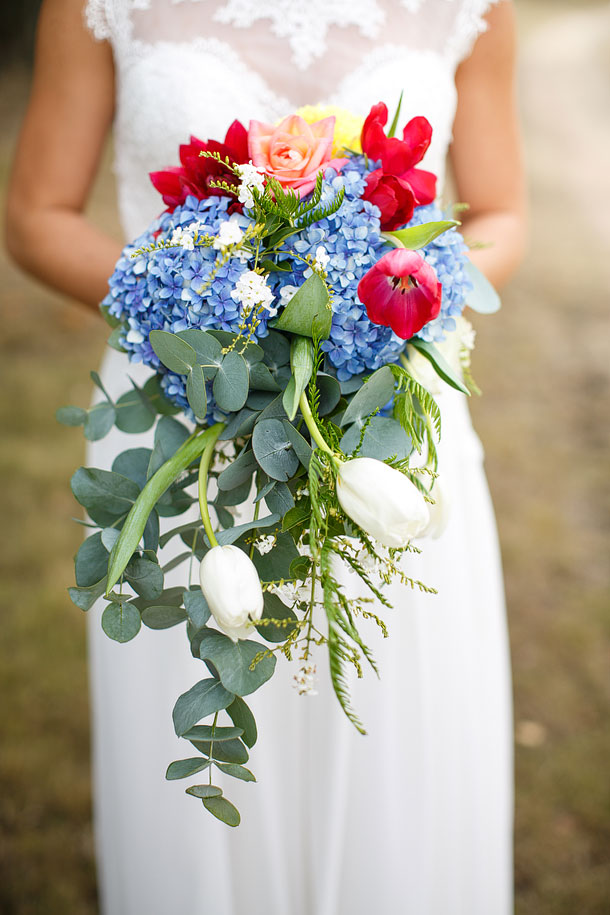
348 126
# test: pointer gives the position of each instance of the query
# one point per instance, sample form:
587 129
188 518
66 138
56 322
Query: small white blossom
322 258
228 234
251 291
265 544
304 681
252 177
184 238
287 292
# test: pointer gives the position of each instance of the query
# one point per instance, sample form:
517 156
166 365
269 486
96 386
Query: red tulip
393 196
401 291
193 177
398 159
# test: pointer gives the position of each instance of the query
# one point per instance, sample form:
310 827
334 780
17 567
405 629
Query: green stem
212 744
132 530
204 467
257 508
313 426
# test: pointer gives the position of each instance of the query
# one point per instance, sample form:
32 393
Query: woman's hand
486 149
67 120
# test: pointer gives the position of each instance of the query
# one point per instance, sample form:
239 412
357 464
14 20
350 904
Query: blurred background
544 366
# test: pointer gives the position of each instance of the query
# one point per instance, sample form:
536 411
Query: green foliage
301 363
308 312
234 662
440 364
121 622
273 449
198 702
415 237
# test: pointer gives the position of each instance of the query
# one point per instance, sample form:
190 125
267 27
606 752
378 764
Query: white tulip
439 511
382 501
232 588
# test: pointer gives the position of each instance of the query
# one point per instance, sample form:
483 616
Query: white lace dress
415 817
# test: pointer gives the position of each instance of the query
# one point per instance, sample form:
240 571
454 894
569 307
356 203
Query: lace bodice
192 66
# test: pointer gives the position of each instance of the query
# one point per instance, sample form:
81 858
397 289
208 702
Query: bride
416 817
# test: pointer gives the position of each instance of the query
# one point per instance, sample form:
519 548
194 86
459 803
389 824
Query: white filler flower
252 176
382 501
322 258
232 588
228 234
251 291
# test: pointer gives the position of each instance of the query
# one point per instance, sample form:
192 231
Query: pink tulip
401 291
294 152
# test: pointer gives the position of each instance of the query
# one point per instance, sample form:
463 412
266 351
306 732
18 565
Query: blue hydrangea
161 289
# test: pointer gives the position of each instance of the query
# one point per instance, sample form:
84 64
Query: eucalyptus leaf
234 533
109 536
121 622
196 607
232 751
232 661
275 564
231 383
145 577
132 413
209 732
105 495
156 397
208 350
169 436
279 500
241 716
184 768
84 598
71 416
276 609
261 378
330 393
238 471
241 423
201 700
252 352
161 616
151 532
222 809
204 791
273 449
196 393
133 464
275 410
100 420
91 561
175 354
373 395
277 350
236 771
234 496
300 444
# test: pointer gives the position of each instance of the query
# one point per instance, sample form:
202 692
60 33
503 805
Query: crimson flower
196 173
398 159
393 196
401 291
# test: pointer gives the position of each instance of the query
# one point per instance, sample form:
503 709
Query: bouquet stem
204 467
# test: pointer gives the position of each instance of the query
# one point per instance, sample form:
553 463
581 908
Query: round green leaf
71 416
231 383
100 420
91 561
184 768
198 702
176 354
277 350
236 771
207 348
222 809
232 661
133 464
132 413
196 393
384 438
204 791
273 450
162 616
121 622
145 577
104 494
242 717
277 610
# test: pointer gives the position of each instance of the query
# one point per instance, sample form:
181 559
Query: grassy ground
543 364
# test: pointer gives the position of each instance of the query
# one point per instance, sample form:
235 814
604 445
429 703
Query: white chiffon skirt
414 818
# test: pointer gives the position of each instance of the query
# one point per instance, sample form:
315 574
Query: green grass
543 366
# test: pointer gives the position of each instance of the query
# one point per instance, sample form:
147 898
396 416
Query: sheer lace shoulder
96 19
469 24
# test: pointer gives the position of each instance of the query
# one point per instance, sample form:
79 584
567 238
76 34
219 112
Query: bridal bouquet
295 302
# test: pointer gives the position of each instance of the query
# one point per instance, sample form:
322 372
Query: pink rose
293 152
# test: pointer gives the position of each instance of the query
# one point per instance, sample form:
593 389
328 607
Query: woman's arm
67 120
486 149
